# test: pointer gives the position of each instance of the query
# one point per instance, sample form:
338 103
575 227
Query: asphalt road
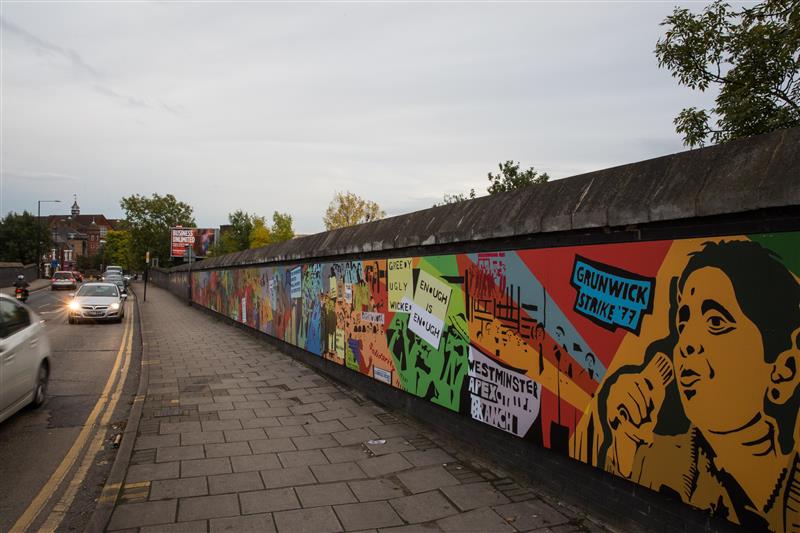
34 443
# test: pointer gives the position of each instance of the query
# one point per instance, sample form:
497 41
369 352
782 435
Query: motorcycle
21 294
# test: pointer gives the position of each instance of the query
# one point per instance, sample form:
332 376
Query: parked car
78 276
63 280
25 357
97 301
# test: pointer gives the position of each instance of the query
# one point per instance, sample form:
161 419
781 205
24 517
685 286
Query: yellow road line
60 509
40 501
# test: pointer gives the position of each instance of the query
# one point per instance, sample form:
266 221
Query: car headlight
75 306
114 306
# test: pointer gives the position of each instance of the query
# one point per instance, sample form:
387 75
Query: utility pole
146 272
189 252
39 234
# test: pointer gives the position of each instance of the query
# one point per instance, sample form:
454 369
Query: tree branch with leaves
752 54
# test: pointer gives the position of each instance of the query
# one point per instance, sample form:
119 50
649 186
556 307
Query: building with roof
77 235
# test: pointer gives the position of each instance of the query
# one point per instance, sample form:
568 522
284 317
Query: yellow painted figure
712 414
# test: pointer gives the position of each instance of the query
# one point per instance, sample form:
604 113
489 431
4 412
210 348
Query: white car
97 301
24 358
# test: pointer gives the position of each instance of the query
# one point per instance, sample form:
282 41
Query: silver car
24 358
117 279
97 301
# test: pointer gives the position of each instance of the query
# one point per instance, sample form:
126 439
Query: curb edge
113 486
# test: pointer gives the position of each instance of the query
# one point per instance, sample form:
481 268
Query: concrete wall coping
744 175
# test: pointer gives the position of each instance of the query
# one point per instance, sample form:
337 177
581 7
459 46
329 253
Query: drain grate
135 492
169 411
387 418
513 490
141 457
421 442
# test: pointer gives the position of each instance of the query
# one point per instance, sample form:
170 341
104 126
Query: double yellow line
105 405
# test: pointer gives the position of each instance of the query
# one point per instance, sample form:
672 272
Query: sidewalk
35 286
236 436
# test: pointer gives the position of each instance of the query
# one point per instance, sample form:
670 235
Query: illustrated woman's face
719 358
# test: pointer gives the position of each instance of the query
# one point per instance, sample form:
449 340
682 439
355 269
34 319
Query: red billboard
199 239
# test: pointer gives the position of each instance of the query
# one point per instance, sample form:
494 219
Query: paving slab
261 461
261 523
238 482
317 520
272 445
423 507
337 472
476 521
149 472
343 454
131 515
474 495
426 479
267 501
180 527
206 467
302 458
204 507
385 464
328 494
165 489
530 515
354 436
433 456
288 477
375 489
359 516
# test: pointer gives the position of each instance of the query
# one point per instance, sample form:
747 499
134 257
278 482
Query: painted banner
501 397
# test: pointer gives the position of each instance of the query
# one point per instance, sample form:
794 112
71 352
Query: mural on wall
673 364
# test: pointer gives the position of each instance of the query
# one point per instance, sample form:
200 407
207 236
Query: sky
266 106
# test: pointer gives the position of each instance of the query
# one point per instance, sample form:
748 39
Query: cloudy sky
275 106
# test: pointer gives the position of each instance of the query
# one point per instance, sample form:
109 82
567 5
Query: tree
148 221
455 198
20 238
282 229
751 53
238 235
510 178
118 250
348 209
260 234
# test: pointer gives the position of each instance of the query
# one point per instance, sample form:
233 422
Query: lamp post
39 234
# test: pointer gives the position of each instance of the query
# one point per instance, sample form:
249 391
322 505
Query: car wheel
40 390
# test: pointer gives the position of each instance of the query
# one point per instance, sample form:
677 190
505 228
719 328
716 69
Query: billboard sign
200 240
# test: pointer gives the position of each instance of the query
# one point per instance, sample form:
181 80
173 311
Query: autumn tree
148 221
248 230
751 54
260 234
119 250
349 209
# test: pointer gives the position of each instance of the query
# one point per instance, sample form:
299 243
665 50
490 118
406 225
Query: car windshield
62 275
113 276
98 290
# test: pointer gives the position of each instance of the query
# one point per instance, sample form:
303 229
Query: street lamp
39 234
